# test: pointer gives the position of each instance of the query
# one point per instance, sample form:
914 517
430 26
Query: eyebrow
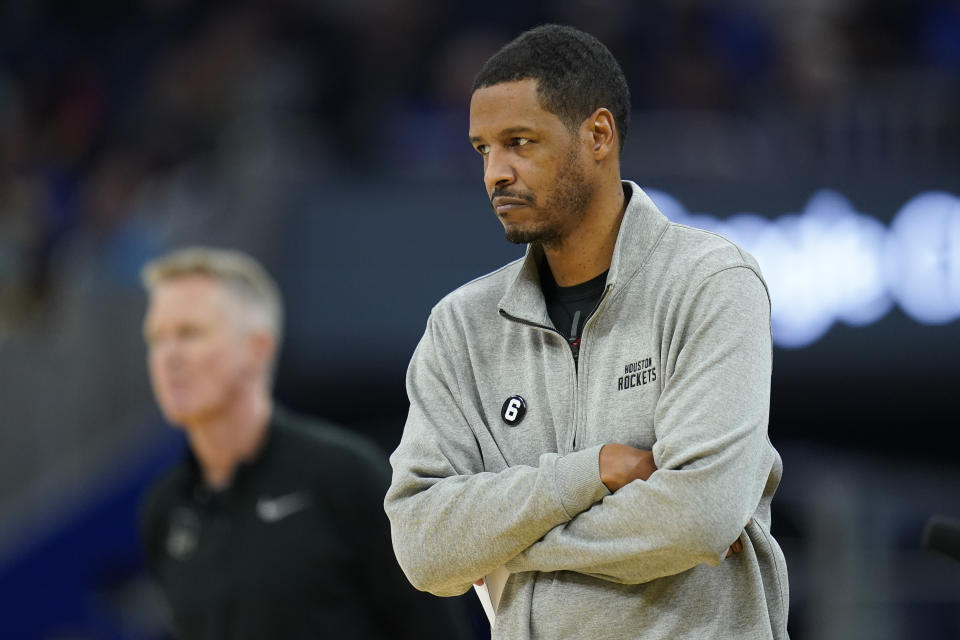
509 131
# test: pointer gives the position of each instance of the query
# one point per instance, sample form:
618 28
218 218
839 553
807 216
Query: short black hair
576 74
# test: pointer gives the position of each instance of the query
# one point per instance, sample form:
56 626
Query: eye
189 332
482 149
519 141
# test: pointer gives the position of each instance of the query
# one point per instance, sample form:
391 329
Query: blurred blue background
328 139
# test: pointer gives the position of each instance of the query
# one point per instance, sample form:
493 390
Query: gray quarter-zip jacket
677 359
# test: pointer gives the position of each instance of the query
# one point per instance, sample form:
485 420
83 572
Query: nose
497 170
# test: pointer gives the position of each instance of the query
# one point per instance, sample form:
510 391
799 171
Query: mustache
501 192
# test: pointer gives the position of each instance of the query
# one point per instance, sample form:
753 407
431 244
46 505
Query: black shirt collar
196 488
592 288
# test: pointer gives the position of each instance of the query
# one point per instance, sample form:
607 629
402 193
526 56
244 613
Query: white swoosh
278 508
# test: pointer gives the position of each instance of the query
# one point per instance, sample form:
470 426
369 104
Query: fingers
736 547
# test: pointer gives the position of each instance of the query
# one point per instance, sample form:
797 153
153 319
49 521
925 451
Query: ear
262 346
602 130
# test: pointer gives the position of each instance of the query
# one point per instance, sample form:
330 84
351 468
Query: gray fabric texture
676 359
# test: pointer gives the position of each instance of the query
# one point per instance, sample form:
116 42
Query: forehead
186 296
508 105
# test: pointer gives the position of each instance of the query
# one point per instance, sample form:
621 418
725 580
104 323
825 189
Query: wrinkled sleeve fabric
451 521
712 450
402 612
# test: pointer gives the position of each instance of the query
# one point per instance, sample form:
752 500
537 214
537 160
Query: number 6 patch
513 410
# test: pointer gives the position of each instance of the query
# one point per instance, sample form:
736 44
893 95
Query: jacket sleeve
452 522
712 451
401 611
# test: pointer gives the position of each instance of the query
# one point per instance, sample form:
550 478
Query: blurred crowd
124 125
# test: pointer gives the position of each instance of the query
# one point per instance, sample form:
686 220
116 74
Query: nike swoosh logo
278 508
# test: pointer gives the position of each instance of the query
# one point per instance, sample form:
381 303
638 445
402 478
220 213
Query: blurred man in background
272 527
591 418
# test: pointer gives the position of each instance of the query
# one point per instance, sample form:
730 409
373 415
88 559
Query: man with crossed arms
592 418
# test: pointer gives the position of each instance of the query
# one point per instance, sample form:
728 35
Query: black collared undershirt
569 308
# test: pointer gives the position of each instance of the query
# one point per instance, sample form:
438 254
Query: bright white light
923 258
831 263
848 249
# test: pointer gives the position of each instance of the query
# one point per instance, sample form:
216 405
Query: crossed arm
451 528
606 511
620 465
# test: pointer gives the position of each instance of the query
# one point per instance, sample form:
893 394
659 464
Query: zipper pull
574 338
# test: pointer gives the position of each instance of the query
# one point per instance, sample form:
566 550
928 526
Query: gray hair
242 277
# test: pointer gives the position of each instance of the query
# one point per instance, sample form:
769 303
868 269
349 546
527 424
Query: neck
222 441
587 250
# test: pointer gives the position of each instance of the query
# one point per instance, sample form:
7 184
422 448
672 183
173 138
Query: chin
175 417
516 237
180 414
519 235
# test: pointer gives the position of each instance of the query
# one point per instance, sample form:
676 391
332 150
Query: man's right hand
736 547
620 465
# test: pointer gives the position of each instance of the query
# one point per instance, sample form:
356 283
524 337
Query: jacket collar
640 231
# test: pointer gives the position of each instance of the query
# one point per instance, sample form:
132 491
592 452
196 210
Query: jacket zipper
576 365
583 335
570 355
